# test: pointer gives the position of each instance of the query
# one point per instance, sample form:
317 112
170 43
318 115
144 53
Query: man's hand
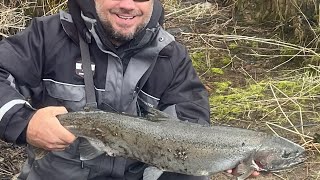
45 131
235 173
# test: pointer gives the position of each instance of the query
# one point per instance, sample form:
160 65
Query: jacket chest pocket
147 101
62 94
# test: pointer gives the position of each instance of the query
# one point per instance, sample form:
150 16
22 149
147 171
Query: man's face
123 19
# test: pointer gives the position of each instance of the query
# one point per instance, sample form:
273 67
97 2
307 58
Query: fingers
56 147
45 131
255 174
50 145
66 136
233 172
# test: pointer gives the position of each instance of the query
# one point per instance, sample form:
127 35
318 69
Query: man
135 65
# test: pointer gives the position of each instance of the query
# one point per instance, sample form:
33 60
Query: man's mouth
125 17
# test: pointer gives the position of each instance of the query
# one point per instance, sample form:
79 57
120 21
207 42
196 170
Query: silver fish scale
174 146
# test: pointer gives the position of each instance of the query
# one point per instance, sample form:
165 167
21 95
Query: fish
168 144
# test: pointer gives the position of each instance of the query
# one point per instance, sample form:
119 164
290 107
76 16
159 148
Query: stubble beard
117 37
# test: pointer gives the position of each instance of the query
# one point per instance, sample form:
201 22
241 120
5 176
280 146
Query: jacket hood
87 8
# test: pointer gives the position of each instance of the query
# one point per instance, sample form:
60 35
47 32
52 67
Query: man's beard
117 37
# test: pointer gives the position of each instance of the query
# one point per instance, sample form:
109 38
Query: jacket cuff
17 126
22 138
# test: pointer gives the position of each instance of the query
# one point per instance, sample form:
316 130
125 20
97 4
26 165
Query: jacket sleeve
186 96
20 65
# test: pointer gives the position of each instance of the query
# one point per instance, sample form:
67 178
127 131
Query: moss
222 87
198 59
200 62
287 51
254 44
233 45
292 88
257 100
288 87
217 71
231 103
226 60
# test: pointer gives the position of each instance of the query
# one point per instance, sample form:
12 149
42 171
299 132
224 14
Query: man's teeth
125 17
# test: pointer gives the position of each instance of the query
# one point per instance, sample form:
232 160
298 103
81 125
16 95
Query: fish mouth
283 164
285 167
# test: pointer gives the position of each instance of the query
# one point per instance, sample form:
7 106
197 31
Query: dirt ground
11 159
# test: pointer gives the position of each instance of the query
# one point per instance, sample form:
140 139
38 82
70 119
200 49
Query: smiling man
107 54
122 20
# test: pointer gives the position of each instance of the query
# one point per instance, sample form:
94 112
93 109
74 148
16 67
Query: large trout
182 147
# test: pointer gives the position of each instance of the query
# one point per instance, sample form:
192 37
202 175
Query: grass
16 15
12 19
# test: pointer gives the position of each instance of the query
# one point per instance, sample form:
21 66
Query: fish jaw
275 154
283 163
283 154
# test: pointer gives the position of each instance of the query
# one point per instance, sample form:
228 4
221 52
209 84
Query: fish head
278 153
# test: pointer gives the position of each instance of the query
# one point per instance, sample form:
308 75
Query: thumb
56 110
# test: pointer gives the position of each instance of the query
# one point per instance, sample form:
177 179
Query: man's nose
127 4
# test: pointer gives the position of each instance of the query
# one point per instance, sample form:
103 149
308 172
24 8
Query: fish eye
286 154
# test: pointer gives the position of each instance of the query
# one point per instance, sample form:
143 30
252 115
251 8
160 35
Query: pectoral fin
90 148
152 173
246 168
246 174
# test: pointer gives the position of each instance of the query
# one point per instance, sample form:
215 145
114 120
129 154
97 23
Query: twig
294 132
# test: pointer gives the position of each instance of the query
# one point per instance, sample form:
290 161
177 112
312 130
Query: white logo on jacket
79 68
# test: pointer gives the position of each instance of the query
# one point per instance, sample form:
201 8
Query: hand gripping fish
182 147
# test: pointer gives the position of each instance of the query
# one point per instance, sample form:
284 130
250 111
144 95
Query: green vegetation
217 71
229 103
267 99
233 45
198 59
